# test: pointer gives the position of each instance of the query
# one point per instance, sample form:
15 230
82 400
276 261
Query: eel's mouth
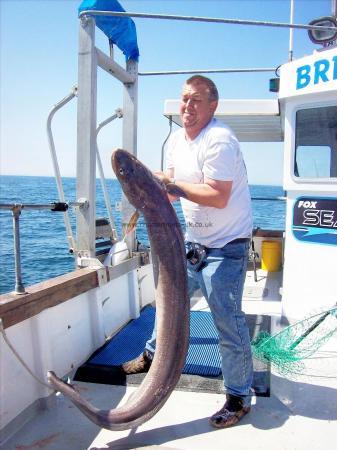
123 163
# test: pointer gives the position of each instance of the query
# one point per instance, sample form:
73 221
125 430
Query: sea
43 242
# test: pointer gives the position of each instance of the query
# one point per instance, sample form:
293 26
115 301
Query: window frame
307 180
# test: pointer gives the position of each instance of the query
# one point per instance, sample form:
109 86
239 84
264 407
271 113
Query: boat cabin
304 118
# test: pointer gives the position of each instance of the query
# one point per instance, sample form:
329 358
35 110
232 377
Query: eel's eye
121 171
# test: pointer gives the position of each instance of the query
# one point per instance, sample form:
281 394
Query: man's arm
214 193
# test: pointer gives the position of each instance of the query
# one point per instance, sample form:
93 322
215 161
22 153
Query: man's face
196 109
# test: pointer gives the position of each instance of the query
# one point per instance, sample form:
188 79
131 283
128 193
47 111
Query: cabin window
316 143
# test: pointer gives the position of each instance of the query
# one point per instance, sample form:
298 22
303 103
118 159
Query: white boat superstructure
56 325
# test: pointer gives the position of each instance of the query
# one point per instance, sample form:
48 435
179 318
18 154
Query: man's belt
238 241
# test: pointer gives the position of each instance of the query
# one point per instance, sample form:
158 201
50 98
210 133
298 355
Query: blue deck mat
203 356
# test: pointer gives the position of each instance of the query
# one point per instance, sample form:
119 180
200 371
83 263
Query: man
205 161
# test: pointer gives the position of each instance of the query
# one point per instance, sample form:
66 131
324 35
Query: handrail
118 114
277 198
52 149
16 209
91 12
186 72
56 107
53 206
57 206
163 146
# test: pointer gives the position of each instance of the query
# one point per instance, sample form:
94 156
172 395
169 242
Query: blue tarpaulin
120 30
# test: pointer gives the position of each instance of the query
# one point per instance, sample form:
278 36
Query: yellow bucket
271 256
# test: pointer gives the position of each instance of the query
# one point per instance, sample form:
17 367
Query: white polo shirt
215 153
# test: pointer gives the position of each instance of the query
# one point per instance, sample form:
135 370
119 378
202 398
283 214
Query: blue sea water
44 248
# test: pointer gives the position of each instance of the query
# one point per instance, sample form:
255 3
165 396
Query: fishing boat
63 324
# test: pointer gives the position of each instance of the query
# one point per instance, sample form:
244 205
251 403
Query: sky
39 41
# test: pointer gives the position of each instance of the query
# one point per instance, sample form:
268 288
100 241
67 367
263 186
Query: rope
2 330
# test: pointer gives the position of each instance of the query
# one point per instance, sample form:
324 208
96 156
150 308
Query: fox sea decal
315 220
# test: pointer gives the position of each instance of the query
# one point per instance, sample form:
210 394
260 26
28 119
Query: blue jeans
221 281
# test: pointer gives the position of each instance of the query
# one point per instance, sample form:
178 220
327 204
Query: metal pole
130 141
54 206
86 138
291 31
73 93
203 19
111 49
334 8
118 114
112 68
186 72
19 287
163 146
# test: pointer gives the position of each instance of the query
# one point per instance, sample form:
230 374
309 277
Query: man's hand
166 179
162 177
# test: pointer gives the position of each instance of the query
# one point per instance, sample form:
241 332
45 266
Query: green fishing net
287 349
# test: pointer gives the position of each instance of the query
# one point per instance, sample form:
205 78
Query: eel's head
141 187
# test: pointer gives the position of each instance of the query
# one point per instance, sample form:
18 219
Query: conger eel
149 196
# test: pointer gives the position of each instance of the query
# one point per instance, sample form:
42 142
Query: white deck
300 414
262 296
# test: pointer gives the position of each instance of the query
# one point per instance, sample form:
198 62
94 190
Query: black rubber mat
202 371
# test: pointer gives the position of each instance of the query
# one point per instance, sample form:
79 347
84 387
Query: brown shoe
230 414
140 364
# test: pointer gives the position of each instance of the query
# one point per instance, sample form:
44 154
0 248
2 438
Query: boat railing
272 199
16 209
58 179
118 114
204 19
57 174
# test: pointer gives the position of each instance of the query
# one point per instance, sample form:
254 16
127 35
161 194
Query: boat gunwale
15 308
